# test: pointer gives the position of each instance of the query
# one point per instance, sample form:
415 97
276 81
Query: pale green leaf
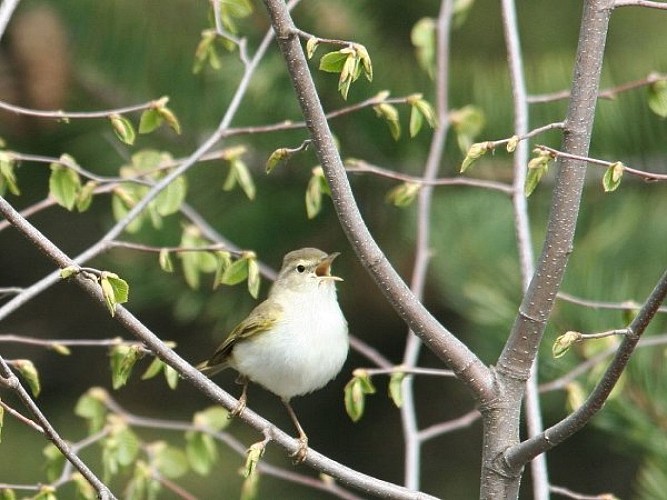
235 273
165 261
612 176
29 373
123 128
64 185
395 388
150 120
333 62
123 359
253 278
657 98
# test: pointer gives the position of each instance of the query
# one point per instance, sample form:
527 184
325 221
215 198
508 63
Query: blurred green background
79 55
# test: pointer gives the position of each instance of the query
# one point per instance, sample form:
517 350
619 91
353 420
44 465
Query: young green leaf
54 461
422 37
403 194
235 273
253 278
201 451
475 152
92 407
165 261
253 455
85 196
64 185
333 62
657 98
250 487
396 388
29 373
123 129
171 376
114 289
170 118
123 358
564 342
61 349
354 399
84 490
68 271
150 120
575 396
156 366
612 177
389 113
512 143
244 178
416 120
214 418
468 122
278 157
313 197
7 177
170 461
171 198
311 46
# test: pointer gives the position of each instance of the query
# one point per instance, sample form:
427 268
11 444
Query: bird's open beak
323 269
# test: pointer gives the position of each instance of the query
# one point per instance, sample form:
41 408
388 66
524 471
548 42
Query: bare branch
520 454
72 115
640 3
627 305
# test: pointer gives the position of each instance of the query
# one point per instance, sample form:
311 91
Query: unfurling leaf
355 394
123 128
389 113
396 388
150 120
537 168
123 359
68 271
201 451
403 194
235 273
114 289
253 455
612 177
311 46
564 342
278 157
156 366
29 372
475 152
170 118
64 185
7 177
92 407
416 120
512 143
657 98
468 122
170 461
333 62
165 261
253 278
85 196
250 487
317 187
422 37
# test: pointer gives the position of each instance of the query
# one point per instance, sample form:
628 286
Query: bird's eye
300 268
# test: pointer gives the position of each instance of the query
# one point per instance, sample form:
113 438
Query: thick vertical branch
422 248
444 344
501 420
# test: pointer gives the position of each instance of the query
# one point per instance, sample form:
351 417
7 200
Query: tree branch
518 455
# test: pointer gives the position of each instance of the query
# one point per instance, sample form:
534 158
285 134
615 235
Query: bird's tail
210 370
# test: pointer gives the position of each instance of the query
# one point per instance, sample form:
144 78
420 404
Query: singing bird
294 342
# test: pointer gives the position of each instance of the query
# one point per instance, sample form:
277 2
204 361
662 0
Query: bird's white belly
299 355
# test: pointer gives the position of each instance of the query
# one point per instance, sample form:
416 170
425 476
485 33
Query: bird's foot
239 408
300 454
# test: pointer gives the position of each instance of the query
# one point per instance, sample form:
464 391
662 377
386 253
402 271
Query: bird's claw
300 454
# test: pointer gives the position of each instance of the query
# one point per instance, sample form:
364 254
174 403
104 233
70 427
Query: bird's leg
242 380
300 454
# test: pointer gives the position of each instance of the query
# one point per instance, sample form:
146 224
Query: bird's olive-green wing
260 319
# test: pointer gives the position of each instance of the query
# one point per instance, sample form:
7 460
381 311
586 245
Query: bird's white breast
305 350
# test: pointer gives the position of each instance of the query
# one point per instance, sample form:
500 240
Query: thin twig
647 176
449 426
627 305
72 115
640 3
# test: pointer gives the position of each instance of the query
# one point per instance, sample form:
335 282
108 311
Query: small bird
295 341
